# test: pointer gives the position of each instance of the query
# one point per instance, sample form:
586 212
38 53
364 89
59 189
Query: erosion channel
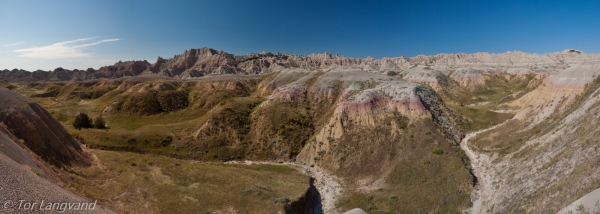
481 166
323 194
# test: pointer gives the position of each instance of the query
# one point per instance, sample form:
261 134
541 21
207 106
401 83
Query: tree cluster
82 120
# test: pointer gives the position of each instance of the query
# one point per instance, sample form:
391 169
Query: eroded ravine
484 171
328 186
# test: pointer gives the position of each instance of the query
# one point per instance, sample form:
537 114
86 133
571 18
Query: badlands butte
209 131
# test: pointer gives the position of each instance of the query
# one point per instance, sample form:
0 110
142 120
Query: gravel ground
20 188
484 170
590 203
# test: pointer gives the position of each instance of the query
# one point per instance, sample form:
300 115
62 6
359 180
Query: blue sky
83 33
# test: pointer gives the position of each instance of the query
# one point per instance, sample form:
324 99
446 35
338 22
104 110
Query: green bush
321 153
132 141
166 140
438 151
82 121
99 123
11 87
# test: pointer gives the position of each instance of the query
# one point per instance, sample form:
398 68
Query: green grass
499 87
133 122
480 117
223 123
148 131
156 184
420 180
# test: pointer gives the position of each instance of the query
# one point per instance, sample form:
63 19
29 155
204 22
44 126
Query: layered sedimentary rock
195 63
346 101
434 77
468 78
40 132
557 91
30 139
548 153
119 69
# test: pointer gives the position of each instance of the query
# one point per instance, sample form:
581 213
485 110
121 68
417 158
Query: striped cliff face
557 91
195 63
346 101
41 133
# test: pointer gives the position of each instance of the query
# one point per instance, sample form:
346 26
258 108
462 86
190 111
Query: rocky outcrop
468 78
556 92
40 132
441 115
195 63
30 139
119 69
426 75
548 153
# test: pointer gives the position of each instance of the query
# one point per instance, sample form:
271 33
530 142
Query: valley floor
145 183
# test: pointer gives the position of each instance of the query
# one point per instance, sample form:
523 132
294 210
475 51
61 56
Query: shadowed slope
40 131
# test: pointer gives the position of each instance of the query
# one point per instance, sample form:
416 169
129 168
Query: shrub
441 78
438 151
166 140
11 87
321 153
369 197
282 200
82 121
99 123
131 141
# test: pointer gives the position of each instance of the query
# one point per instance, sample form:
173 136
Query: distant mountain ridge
196 63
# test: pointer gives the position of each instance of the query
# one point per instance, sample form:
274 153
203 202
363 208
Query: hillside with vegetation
438 134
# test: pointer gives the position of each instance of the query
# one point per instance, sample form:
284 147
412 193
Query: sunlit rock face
557 91
195 63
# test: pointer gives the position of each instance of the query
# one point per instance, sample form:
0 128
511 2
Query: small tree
82 121
99 123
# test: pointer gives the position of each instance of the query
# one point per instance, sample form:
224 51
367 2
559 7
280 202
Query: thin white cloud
66 49
13 44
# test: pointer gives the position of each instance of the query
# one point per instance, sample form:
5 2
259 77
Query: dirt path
505 111
478 104
484 171
328 185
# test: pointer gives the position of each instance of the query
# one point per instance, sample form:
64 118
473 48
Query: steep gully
482 168
324 192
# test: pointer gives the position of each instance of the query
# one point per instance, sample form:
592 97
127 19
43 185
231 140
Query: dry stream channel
325 189
482 167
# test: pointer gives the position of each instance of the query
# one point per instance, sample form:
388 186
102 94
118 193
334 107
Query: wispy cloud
13 44
66 49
